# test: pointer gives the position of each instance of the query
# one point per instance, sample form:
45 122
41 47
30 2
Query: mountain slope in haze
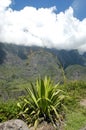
66 57
21 64
76 72
71 57
41 63
30 62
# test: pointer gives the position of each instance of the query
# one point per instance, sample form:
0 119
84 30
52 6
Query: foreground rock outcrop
21 125
13 125
44 126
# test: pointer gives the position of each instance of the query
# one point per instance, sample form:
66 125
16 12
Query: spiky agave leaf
44 100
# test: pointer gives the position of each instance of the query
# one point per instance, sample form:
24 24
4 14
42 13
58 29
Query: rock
13 125
83 102
20 125
83 128
46 126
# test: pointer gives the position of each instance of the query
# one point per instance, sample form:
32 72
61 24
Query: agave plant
45 101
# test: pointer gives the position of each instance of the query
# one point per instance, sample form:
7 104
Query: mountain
70 57
21 64
38 61
28 62
76 72
66 57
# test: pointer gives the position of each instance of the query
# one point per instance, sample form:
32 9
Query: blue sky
59 24
79 6
60 4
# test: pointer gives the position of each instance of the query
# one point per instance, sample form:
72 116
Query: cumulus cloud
4 4
42 27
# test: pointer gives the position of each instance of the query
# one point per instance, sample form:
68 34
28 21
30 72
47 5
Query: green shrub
75 85
44 102
8 110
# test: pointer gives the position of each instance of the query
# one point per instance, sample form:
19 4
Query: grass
75 120
8 110
75 116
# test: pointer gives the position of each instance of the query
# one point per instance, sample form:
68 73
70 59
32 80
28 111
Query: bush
8 110
44 102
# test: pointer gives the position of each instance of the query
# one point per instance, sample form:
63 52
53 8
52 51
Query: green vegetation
8 110
20 65
77 72
76 115
76 119
49 105
44 102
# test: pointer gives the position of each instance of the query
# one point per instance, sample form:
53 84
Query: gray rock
83 128
13 125
44 126
47 126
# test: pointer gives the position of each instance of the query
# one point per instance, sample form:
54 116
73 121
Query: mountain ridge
37 61
66 57
20 65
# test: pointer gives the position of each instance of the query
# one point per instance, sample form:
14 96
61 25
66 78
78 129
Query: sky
57 24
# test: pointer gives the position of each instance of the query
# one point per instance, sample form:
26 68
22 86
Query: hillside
76 72
21 64
27 62
21 52
30 62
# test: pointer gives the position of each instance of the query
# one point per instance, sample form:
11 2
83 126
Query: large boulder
14 125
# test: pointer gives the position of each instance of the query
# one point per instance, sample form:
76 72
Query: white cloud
42 27
4 4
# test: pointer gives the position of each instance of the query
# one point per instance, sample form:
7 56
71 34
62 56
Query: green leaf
18 104
55 111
